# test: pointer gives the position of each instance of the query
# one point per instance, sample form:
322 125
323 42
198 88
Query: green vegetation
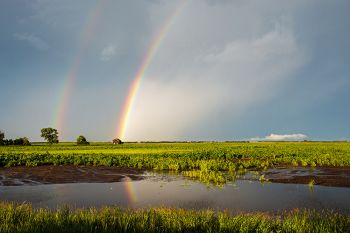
22 218
81 140
209 162
2 136
21 142
17 142
50 135
215 163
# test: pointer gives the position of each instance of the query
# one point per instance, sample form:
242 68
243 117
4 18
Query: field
245 154
211 163
205 161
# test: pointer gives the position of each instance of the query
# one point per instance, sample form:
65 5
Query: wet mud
12 176
326 176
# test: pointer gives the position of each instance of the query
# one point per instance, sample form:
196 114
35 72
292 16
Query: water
174 191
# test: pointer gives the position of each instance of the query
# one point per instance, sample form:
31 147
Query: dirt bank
66 174
327 176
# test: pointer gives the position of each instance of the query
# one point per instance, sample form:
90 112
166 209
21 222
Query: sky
219 70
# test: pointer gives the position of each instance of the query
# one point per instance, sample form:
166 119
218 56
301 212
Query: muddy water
137 189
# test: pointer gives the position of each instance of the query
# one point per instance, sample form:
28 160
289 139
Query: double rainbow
86 35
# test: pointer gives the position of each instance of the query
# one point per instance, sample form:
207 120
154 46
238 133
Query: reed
23 218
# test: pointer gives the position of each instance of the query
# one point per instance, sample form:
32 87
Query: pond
141 189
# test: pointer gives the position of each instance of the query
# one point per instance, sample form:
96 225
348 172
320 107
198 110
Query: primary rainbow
86 35
135 85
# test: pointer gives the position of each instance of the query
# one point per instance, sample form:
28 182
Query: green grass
22 218
206 161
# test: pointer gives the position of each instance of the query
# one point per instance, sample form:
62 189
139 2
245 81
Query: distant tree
81 140
117 141
26 141
50 135
18 141
8 142
2 136
21 142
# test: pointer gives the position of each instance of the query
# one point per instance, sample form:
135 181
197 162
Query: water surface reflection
175 191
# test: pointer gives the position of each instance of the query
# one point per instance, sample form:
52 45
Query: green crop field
206 161
181 156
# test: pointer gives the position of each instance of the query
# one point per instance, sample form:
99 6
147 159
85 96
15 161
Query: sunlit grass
23 218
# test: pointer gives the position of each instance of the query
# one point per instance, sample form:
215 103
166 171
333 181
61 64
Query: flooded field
50 186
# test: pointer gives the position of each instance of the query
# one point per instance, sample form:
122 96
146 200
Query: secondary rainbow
86 35
135 85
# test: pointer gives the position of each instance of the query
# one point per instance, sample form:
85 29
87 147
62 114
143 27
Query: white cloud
281 137
108 52
32 40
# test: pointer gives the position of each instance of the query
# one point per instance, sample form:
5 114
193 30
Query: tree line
18 141
49 134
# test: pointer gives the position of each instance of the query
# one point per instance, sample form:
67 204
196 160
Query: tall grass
22 218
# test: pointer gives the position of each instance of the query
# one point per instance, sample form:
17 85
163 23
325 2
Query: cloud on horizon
281 137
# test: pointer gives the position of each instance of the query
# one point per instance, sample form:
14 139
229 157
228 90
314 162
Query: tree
25 141
21 142
2 136
50 135
18 141
8 142
81 140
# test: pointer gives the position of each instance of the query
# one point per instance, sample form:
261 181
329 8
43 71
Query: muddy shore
326 176
66 174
